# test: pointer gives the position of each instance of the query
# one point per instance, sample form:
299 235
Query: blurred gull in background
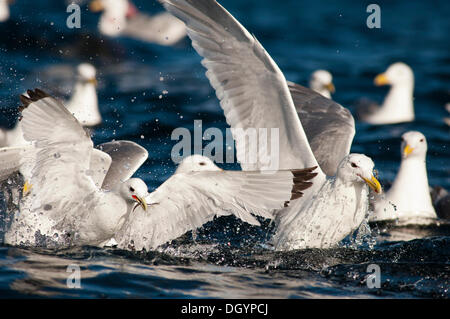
398 106
321 81
83 104
408 199
121 17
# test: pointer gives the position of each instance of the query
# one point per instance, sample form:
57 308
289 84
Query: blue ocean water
146 91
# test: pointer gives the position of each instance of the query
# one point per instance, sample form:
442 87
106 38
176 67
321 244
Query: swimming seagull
121 17
321 81
408 200
398 106
83 104
65 207
254 94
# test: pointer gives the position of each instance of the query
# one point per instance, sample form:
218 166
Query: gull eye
202 163
131 189
421 139
354 165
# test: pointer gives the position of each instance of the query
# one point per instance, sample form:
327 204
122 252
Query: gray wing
127 157
251 88
186 201
329 126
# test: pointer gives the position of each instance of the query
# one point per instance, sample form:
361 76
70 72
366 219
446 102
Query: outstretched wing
127 157
329 126
63 150
186 201
251 88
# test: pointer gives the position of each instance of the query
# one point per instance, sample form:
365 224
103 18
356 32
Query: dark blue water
227 259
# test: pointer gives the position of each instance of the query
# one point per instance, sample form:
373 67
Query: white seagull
408 200
65 207
398 106
321 81
121 17
254 94
83 104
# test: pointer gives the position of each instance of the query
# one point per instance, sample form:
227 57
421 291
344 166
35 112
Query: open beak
141 201
381 79
407 150
96 6
374 184
93 81
330 87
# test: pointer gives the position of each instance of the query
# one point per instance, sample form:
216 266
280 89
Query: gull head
358 168
196 163
321 81
134 191
414 145
397 74
86 73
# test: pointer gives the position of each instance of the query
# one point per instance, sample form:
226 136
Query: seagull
409 199
398 106
121 17
4 10
65 207
321 81
83 104
254 93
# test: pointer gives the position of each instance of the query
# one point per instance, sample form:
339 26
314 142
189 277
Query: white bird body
408 199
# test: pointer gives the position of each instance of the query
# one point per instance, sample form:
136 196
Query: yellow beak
141 202
93 81
26 188
96 6
407 150
381 79
374 184
330 87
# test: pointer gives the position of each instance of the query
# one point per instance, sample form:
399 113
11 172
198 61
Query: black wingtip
301 181
33 96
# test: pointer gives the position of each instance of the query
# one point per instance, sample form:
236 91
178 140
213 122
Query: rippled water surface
146 91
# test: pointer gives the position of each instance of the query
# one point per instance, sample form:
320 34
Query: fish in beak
373 183
330 87
407 150
140 201
381 79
